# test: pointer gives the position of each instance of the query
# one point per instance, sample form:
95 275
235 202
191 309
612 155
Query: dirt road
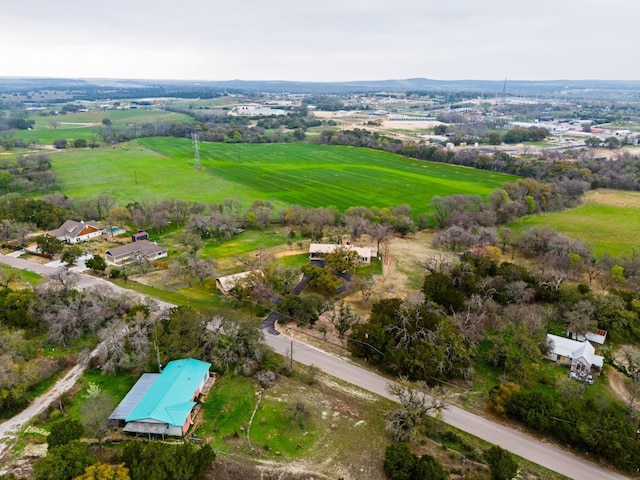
9 428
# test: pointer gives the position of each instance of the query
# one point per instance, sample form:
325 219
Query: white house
581 356
76 232
321 250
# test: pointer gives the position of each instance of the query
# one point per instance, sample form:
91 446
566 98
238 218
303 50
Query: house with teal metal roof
166 406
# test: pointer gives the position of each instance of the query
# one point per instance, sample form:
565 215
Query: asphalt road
534 450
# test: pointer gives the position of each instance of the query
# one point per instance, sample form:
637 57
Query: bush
64 432
60 143
502 464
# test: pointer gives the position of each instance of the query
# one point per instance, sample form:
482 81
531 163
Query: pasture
83 125
609 221
305 174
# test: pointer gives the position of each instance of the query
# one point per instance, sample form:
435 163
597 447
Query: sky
321 40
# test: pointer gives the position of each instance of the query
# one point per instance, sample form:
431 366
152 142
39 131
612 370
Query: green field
82 125
310 175
609 222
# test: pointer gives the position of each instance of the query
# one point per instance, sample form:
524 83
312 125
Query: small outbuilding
141 235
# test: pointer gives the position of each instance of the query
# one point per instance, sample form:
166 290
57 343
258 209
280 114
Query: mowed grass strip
609 222
323 175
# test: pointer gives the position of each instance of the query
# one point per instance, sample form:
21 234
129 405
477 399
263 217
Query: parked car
589 379
574 376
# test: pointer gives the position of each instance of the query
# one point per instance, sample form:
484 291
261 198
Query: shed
141 235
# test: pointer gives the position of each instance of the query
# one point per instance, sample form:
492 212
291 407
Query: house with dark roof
142 250
162 404
76 232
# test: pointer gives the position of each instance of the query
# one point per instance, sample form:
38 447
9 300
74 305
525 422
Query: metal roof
131 399
169 399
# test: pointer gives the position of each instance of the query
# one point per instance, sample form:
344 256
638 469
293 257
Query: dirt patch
618 385
400 273
615 198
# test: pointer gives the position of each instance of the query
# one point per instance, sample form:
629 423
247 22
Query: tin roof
169 399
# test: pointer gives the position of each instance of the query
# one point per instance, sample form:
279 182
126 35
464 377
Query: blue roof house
164 404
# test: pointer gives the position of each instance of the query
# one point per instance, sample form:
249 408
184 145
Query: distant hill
93 89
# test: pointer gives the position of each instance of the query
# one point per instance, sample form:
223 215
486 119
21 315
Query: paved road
527 447
10 427
534 450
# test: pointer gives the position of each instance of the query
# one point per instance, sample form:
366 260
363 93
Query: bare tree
417 401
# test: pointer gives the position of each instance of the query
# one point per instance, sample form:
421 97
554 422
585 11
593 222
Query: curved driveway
534 450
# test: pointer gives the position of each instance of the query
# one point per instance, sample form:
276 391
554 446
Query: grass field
82 125
609 221
310 175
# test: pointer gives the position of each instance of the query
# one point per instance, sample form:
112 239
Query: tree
64 432
502 464
105 471
49 246
405 422
400 462
343 318
60 143
430 468
71 254
95 412
593 142
611 143
159 461
97 263
321 280
65 462
202 268
342 260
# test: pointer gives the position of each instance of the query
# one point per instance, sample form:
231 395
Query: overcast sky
321 40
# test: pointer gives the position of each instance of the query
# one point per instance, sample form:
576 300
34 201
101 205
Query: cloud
328 40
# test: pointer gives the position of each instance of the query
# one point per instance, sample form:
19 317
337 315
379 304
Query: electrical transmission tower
196 149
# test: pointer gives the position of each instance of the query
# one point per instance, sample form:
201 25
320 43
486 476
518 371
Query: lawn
341 431
609 221
305 174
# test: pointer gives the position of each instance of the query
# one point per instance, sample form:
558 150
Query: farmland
608 221
306 174
83 125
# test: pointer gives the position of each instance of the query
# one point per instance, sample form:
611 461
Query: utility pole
291 357
196 148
